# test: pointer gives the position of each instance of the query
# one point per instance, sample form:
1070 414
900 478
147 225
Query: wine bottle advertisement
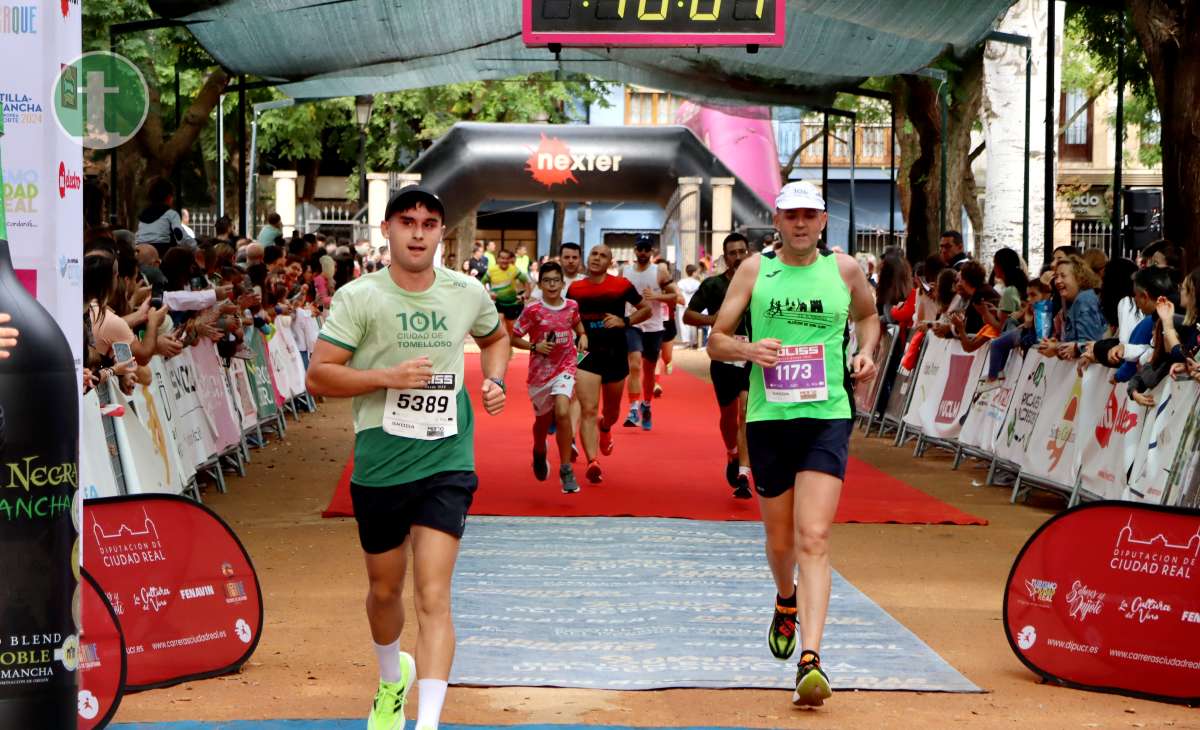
41 233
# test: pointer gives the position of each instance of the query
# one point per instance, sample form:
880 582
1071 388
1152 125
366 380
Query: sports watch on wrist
500 382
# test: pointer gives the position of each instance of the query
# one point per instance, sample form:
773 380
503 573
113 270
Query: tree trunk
1003 119
311 170
465 235
150 155
556 227
1168 32
917 104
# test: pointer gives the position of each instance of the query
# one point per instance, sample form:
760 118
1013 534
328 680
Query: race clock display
653 23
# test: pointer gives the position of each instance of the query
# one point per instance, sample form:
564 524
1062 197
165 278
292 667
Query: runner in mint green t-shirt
394 342
800 412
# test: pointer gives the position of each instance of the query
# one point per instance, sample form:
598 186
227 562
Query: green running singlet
806 306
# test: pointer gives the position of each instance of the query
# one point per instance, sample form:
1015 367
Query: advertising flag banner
101 657
185 591
1106 597
985 418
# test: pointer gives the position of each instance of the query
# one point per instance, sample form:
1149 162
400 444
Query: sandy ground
944 583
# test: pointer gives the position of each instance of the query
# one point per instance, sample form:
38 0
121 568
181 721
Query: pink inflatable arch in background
742 138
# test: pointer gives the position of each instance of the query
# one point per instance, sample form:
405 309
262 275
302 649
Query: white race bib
799 377
426 414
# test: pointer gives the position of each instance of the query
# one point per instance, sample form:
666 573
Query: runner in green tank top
799 416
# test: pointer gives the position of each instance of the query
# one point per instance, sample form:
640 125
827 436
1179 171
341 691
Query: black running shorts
386 515
612 367
729 381
510 311
647 343
779 450
670 331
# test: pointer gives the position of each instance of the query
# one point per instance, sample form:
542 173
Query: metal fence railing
203 223
344 222
875 240
1092 234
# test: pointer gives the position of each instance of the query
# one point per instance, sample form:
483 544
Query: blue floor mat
645 603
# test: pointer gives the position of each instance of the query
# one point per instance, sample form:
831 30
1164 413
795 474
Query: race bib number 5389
428 413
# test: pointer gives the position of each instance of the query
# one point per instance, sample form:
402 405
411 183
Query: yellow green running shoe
388 711
782 636
812 684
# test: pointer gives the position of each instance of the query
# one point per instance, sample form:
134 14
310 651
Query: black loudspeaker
1143 216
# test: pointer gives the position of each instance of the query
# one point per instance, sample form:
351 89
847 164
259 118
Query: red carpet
676 470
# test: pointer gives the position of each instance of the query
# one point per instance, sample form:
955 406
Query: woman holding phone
112 338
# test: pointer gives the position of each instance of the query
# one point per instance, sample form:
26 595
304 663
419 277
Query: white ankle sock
744 470
431 694
389 661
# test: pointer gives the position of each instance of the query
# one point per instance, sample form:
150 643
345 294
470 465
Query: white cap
799 194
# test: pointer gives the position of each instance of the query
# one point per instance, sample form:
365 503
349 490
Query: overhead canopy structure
324 48
475 162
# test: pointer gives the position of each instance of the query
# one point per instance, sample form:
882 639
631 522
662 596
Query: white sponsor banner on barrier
1013 438
213 391
930 378
95 462
190 424
1174 401
294 362
1110 425
146 470
990 405
944 409
285 379
154 409
243 397
1050 454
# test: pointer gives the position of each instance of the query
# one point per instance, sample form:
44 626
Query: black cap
410 196
643 241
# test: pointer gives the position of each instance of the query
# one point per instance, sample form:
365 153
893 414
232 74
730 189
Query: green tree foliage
403 123
1091 37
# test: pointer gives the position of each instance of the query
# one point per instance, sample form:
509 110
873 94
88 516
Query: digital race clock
650 23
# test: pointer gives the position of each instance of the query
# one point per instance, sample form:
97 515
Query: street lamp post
362 114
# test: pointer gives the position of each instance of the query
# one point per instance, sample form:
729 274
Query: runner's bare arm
695 319
494 353
329 375
864 316
669 292
642 313
721 343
